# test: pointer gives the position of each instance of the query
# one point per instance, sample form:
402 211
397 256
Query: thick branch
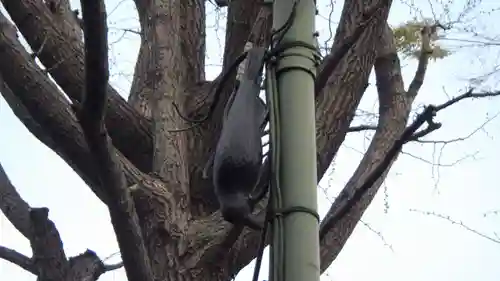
332 60
18 259
394 108
212 237
140 96
23 114
334 111
41 107
62 55
13 206
120 203
243 16
423 60
82 267
47 115
37 102
48 252
49 259
88 265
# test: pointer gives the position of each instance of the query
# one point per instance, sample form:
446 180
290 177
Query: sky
395 240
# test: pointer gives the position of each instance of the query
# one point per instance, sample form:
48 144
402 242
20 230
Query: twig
91 116
376 232
360 128
445 142
459 223
110 267
47 70
468 94
35 54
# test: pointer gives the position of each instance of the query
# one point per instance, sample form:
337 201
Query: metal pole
296 70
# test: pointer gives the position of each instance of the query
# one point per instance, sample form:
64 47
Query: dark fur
238 156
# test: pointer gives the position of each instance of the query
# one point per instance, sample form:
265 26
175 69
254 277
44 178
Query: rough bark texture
185 236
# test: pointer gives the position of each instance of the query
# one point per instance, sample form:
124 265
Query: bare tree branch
430 129
42 108
37 102
46 113
425 116
91 115
111 267
359 59
49 261
13 206
469 94
416 84
63 57
88 265
48 252
410 133
457 139
423 61
394 109
333 59
361 128
459 223
415 137
18 259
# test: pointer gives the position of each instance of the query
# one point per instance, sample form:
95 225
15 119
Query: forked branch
333 60
91 116
49 260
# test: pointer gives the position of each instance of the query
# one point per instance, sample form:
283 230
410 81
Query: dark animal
238 156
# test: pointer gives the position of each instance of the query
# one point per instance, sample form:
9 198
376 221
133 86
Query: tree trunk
185 236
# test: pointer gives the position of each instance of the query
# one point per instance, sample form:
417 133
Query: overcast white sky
415 247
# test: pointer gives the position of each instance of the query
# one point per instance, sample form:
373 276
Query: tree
184 236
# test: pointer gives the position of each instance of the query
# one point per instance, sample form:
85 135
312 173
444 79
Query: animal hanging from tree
238 156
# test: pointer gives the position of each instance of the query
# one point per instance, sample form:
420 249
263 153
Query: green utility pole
296 71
